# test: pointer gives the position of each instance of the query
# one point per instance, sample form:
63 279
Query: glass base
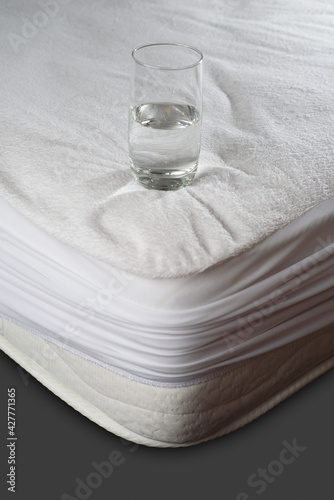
164 181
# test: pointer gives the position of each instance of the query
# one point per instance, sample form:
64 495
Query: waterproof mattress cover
268 129
168 318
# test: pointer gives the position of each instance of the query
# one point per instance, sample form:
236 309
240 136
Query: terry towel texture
268 126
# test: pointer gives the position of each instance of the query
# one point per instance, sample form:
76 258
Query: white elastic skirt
170 331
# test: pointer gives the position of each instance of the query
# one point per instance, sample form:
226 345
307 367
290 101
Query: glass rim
154 66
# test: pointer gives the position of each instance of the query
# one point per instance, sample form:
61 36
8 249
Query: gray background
56 445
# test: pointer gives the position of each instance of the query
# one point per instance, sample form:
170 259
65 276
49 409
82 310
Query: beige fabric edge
171 417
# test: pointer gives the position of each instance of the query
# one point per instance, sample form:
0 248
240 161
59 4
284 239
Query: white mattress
171 416
168 318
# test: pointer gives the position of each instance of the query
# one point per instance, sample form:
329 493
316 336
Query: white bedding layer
268 128
172 331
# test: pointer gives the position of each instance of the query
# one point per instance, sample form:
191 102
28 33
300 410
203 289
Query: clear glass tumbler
165 114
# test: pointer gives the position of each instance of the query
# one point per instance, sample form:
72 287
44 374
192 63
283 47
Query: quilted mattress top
268 127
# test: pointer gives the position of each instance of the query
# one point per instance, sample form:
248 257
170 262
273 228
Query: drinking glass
165 114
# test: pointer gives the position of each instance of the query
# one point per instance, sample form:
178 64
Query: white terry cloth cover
268 128
170 332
